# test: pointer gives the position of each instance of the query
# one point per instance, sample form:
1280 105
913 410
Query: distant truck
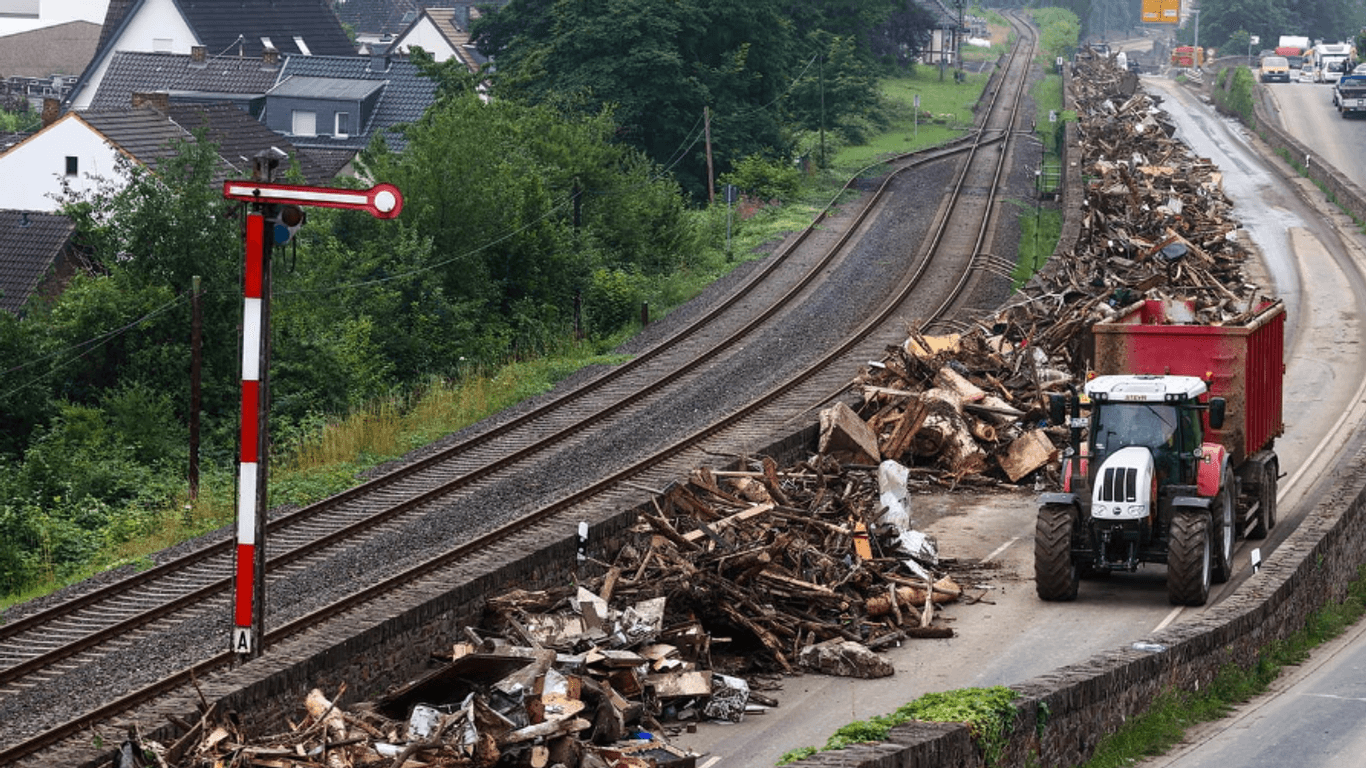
1332 61
1176 461
1293 48
1349 95
1188 56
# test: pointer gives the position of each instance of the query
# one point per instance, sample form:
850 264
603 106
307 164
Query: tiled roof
144 133
219 25
215 79
407 94
61 49
448 21
380 17
240 138
113 17
30 245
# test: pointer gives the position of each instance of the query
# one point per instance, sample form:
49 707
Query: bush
765 179
612 300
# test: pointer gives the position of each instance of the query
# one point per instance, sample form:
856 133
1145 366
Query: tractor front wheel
1055 574
1188 558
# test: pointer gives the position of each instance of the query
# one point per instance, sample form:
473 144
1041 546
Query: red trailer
1175 460
1242 364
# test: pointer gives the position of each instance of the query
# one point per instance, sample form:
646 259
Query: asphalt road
1315 715
1011 636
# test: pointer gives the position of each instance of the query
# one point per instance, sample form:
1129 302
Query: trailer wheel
1055 574
1188 559
1266 503
1224 510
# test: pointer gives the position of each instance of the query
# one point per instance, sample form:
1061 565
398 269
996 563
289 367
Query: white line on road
1000 549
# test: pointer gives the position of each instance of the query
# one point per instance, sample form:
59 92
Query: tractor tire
1188 559
1225 532
1055 574
1266 502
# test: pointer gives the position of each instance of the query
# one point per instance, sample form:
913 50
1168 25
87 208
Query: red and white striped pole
383 201
247 610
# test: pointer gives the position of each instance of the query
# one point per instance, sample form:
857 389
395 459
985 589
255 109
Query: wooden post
196 363
711 184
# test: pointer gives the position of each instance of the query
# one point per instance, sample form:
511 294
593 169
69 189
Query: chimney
52 109
198 54
270 57
159 100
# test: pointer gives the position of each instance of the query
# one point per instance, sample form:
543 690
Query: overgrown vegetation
989 714
1174 711
1233 94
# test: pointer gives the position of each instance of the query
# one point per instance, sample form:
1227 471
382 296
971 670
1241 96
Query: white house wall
41 163
157 20
50 13
424 35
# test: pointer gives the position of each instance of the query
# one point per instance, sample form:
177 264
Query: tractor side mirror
1057 408
1217 407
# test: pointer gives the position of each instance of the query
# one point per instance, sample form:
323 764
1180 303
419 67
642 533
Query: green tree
657 65
519 206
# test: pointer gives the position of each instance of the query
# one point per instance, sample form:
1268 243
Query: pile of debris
1156 226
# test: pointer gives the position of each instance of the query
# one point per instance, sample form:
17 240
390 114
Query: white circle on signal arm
385 201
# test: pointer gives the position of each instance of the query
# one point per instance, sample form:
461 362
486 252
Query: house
18 16
37 257
444 33
327 106
194 78
59 49
339 103
245 28
80 151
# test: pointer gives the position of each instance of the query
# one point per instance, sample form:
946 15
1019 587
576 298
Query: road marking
712 762
1000 549
1170 618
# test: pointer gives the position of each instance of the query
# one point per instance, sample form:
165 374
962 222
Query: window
342 128
72 165
305 123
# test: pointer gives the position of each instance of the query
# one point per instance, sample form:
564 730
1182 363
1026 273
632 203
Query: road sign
1162 11
382 201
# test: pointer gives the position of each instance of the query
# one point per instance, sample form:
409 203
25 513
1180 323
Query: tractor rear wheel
1188 559
1055 574
1224 510
1266 502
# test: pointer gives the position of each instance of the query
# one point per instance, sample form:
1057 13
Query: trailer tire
1188 558
1225 531
1055 574
1266 502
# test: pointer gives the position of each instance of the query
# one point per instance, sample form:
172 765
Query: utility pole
196 364
821 69
711 183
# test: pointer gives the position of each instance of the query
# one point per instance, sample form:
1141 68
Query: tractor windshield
1148 425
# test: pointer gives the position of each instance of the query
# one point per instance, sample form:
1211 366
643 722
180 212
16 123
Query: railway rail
94 628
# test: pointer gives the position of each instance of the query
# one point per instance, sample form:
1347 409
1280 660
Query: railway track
96 628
